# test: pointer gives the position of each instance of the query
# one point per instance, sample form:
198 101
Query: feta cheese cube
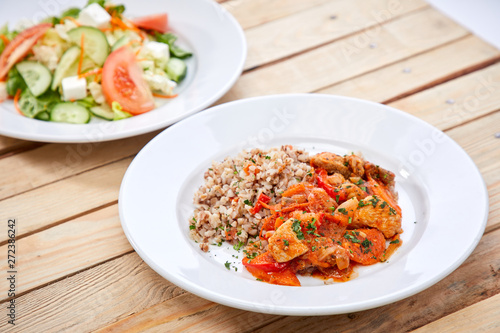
74 88
157 50
94 16
159 83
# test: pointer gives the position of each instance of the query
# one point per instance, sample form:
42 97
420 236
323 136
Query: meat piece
320 201
380 174
356 165
375 213
284 245
335 180
332 163
353 191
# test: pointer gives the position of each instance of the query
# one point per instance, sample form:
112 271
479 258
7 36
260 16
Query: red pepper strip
265 262
339 194
294 207
258 206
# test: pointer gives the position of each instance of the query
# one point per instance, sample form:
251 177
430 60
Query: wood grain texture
47 206
249 13
93 298
67 248
479 141
418 73
470 283
320 25
480 317
53 162
396 40
458 101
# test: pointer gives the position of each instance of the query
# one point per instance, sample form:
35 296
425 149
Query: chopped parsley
267 157
192 227
392 211
248 202
286 242
313 248
227 264
238 246
342 210
366 243
396 241
253 161
297 229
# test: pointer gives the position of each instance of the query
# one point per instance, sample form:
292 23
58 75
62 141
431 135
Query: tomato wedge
122 82
158 22
19 47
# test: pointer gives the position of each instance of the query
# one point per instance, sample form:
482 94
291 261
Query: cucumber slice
103 112
45 116
95 43
67 62
124 40
36 76
71 113
176 69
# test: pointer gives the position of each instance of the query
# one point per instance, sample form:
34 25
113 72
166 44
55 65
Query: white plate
203 26
435 177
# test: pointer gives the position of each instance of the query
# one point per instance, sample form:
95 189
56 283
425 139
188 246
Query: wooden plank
92 298
480 317
457 101
396 40
251 13
67 248
53 162
174 317
8 145
472 282
479 141
320 25
82 193
420 72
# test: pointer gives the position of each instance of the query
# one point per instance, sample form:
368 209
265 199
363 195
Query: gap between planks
288 56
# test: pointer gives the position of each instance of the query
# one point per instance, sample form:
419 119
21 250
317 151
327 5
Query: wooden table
78 273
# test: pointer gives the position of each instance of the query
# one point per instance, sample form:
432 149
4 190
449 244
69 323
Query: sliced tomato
122 82
158 22
19 47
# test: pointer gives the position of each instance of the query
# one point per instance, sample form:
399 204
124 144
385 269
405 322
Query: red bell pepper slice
265 262
338 194
258 206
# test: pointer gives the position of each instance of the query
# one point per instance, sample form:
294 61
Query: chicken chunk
336 179
375 213
284 245
380 174
353 191
332 163
356 165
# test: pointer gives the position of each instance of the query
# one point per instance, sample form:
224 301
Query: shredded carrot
6 41
80 62
16 102
90 73
133 41
72 19
164 96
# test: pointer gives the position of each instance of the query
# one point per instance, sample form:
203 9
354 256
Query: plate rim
283 309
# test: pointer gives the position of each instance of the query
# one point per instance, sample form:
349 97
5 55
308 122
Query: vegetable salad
90 62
